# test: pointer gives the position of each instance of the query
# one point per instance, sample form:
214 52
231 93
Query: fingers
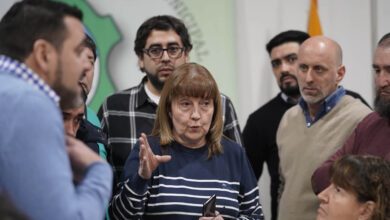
148 161
163 159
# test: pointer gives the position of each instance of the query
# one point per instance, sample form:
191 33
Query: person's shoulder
119 101
354 94
268 108
26 108
373 120
124 94
230 146
354 104
17 93
294 111
225 98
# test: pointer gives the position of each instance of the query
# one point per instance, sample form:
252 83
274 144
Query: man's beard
382 105
290 90
156 82
69 98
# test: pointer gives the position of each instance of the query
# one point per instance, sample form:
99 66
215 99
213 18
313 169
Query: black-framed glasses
174 52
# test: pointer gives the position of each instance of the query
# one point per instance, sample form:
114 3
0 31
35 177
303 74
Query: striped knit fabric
178 188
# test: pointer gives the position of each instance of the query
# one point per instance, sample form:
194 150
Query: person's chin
310 99
321 215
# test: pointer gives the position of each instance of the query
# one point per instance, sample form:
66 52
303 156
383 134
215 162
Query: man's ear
141 62
367 210
187 56
45 55
43 60
340 73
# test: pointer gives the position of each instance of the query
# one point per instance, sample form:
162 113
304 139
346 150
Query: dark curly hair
162 23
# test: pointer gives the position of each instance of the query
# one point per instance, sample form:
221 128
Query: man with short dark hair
259 134
315 128
162 44
40 65
89 130
371 136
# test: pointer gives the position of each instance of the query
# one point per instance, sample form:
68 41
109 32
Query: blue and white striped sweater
178 188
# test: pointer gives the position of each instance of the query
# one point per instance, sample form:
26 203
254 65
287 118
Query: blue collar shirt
326 106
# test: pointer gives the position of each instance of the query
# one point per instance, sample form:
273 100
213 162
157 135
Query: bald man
315 128
371 136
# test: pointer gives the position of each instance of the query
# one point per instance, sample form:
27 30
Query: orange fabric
314 25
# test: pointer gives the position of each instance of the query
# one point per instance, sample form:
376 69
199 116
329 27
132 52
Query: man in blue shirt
46 175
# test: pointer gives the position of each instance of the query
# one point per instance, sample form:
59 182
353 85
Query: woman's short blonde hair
192 80
368 178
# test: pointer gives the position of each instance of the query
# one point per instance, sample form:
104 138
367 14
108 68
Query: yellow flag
314 25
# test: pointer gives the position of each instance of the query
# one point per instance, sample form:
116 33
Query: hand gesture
80 156
148 161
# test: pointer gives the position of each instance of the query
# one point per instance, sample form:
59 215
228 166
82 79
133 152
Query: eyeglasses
174 52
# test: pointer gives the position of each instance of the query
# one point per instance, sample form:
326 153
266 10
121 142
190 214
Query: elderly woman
172 173
359 190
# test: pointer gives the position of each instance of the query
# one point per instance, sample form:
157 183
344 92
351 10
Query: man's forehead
163 37
74 25
382 56
284 49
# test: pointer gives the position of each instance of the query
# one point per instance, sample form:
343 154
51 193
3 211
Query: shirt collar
288 99
21 71
142 96
326 106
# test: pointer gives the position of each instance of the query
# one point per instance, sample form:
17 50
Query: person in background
72 118
315 128
89 130
40 65
259 134
162 44
359 190
76 125
371 136
186 159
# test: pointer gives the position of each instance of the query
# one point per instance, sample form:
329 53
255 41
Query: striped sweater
178 188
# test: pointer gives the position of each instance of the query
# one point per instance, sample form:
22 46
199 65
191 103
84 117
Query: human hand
216 217
80 156
148 161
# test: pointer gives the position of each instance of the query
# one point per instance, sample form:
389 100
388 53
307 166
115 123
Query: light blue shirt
34 165
326 106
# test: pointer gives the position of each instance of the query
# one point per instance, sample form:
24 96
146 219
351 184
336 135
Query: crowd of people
161 149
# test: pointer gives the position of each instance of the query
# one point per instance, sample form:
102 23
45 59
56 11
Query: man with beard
162 44
371 136
315 128
41 63
259 134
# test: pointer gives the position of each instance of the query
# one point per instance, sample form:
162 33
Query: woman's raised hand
148 161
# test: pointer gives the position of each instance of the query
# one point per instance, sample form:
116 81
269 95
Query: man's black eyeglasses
174 52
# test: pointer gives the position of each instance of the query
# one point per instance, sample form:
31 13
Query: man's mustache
287 75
